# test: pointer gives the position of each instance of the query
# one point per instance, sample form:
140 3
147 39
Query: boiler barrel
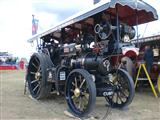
91 62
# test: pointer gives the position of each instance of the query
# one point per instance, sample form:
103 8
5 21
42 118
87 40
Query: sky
16 21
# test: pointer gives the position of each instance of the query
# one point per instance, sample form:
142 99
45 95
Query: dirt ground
15 105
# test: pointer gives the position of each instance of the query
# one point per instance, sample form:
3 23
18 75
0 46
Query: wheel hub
77 92
37 75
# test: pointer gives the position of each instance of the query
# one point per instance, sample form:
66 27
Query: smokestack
95 1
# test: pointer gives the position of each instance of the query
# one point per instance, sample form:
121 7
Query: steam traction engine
80 56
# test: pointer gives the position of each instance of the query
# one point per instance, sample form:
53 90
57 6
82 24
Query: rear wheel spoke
39 69
38 90
37 61
36 87
73 84
75 80
33 81
33 73
72 90
35 65
80 77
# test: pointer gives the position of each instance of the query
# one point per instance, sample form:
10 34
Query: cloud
55 11
60 5
16 20
46 20
16 17
151 28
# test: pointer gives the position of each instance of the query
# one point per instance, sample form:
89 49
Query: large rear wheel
123 89
37 76
80 92
128 65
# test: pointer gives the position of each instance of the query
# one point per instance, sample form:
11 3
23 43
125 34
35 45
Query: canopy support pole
117 22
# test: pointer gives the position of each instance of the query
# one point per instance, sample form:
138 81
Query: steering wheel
103 30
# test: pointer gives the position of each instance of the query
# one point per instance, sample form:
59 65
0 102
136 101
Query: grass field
15 105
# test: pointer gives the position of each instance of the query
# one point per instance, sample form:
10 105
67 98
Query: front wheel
80 92
123 85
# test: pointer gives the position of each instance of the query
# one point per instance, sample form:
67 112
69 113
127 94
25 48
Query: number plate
62 75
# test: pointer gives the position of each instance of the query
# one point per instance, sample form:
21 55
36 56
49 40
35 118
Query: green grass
12 74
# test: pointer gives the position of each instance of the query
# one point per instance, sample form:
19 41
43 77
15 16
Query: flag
95 1
34 25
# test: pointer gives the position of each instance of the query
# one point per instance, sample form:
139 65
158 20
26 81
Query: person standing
148 58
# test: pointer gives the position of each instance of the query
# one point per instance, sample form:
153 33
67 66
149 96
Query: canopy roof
131 12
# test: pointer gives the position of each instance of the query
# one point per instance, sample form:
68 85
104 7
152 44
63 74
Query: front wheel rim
79 92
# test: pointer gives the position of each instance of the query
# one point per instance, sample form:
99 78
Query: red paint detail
8 67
